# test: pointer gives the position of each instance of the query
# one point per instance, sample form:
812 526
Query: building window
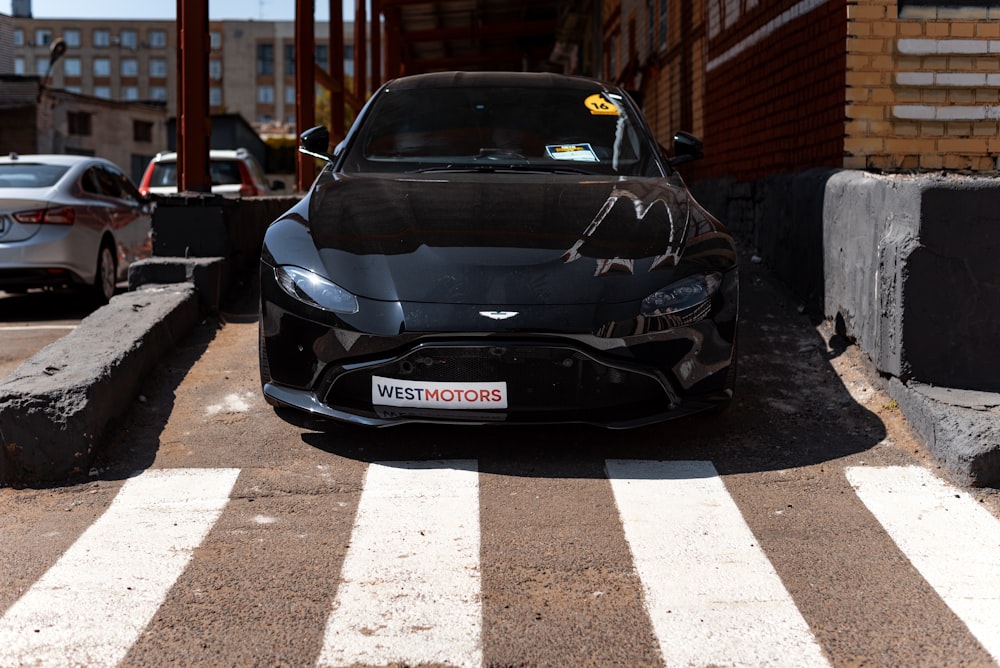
289 94
158 93
215 96
129 39
265 94
215 40
72 37
265 59
158 39
78 123
215 70
321 54
129 67
157 67
19 65
73 89
102 37
289 59
18 37
72 67
43 37
41 66
102 67
142 131
130 93
103 92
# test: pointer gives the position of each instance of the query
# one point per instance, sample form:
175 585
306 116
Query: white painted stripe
774 25
29 328
410 584
949 538
711 593
93 604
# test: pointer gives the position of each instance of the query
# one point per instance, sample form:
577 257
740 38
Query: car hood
499 239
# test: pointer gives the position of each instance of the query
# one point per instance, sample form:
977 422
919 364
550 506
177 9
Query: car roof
53 159
490 79
223 153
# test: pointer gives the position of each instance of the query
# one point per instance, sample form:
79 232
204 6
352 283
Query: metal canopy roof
423 36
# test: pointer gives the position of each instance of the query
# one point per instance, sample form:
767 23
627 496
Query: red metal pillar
336 70
194 125
376 38
360 51
393 44
305 85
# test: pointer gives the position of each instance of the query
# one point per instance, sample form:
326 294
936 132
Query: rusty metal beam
376 37
360 50
194 125
393 44
305 85
335 59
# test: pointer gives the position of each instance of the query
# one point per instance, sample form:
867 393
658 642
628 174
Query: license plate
426 394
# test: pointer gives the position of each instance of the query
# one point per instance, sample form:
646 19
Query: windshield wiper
493 169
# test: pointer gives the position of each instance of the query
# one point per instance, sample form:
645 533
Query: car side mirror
687 148
316 142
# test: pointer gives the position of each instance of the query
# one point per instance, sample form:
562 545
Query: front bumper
624 374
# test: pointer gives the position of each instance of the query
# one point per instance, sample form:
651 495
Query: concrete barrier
906 265
55 407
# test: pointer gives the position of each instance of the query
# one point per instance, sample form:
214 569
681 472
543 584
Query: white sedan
69 221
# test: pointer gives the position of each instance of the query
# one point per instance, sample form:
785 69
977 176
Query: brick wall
923 88
774 89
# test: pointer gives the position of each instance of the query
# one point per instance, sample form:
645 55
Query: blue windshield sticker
575 152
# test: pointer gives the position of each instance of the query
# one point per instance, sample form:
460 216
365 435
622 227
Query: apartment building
251 68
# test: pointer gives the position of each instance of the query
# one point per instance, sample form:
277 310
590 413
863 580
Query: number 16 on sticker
599 105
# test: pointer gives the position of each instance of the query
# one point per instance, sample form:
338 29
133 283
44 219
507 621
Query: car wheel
106 278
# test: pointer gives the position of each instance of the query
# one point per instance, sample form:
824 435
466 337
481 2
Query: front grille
560 381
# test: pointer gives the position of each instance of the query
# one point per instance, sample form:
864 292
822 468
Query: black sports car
498 247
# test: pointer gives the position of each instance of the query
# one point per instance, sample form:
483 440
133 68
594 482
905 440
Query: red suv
235 173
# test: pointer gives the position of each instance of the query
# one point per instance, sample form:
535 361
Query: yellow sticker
601 106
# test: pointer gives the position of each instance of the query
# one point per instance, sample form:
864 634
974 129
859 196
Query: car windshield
501 128
223 172
30 175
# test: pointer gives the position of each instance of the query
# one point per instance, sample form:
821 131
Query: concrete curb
56 406
960 427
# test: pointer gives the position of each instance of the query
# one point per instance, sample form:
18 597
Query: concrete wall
907 267
905 264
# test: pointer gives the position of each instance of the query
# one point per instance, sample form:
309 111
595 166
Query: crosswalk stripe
712 595
952 541
410 583
92 605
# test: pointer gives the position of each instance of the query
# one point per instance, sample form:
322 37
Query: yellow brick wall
923 88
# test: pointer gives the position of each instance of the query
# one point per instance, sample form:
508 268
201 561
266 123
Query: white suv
235 173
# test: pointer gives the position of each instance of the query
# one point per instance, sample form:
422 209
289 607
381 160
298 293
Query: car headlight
686 297
313 289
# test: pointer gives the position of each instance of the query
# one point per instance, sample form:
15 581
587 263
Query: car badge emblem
498 315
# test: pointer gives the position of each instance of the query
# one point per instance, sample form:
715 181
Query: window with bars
265 59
